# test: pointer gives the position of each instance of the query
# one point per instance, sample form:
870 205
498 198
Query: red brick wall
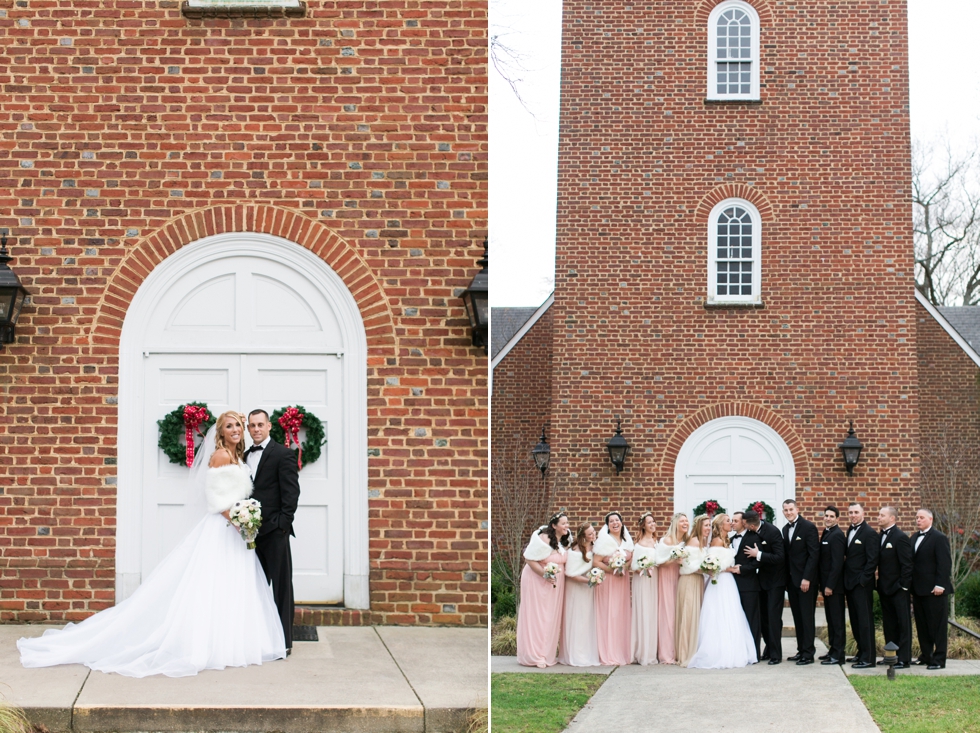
127 131
642 158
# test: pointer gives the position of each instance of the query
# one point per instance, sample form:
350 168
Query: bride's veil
196 505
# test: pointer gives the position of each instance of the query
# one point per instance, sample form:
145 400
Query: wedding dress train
207 605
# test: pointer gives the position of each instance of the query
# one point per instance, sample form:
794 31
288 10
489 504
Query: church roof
966 320
504 323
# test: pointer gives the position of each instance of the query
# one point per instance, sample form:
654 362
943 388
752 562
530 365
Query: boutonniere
857 542
764 542
888 545
798 539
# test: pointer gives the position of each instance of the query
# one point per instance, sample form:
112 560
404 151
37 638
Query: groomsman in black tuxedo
746 572
802 555
860 563
894 581
770 553
932 564
832 546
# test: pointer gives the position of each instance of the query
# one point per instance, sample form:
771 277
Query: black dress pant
860 609
896 621
833 606
772 620
277 562
804 607
931 615
750 605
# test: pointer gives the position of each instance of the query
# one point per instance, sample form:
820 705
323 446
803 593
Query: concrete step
357 679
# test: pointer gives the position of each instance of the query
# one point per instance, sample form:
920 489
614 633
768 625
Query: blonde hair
237 451
717 531
696 526
672 529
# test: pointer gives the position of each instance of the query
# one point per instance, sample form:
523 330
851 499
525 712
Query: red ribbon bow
291 421
710 508
759 508
193 417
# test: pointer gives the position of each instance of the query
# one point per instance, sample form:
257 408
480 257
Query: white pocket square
888 545
764 542
826 543
857 542
798 539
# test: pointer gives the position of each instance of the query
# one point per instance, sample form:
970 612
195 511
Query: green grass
539 703
922 704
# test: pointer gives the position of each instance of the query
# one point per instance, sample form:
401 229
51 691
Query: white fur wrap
225 485
539 550
605 545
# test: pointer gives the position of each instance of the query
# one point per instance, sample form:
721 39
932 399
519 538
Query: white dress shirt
253 458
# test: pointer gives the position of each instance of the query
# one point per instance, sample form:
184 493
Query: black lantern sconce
618 448
851 450
476 298
12 295
542 454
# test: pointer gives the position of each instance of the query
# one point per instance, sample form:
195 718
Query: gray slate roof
966 320
504 323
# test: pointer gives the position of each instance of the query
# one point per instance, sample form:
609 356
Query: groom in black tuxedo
894 581
932 565
802 555
275 478
746 571
860 563
771 555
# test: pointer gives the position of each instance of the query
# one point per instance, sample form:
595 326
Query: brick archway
195 225
703 11
740 409
733 191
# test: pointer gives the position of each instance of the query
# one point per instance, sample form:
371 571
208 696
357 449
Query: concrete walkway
383 679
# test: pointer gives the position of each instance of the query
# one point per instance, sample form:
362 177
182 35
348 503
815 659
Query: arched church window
733 52
734 253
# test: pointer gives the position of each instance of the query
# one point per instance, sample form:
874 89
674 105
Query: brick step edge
315 616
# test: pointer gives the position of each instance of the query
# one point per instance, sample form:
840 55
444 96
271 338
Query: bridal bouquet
550 571
645 565
596 576
617 562
246 515
678 552
712 566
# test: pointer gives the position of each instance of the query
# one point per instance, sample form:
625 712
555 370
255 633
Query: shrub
968 597
503 637
503 599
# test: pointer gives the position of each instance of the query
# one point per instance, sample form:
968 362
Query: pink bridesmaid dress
613 614
668 576
539 620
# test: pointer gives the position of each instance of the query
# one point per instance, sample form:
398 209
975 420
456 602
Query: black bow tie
738 535
254 449
793 524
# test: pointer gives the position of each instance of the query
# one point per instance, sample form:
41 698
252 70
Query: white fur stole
605 545
538 550
224 485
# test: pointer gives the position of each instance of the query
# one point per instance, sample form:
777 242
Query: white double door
243 382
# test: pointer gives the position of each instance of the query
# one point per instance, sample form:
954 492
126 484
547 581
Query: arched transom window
733 51
734 253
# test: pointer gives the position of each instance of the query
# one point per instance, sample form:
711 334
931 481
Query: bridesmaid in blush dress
579 646
612 598
542 600
668 571
645 583
690 591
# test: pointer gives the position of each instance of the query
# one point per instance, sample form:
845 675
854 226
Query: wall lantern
618 448
851 450
542 454
476 299
12 295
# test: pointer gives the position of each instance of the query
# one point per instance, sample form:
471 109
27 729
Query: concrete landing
357 679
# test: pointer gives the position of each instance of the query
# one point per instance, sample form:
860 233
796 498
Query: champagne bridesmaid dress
612 604
539 620
690 591
644 607
668 574
579 645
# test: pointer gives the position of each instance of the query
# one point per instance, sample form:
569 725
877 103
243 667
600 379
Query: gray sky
945 101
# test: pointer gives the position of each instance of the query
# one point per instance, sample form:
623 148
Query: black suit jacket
861 557
803 553
894 562
932 563
772 566
832 546
276 488
747 579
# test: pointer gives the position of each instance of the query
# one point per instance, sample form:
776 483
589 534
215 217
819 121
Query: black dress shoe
863 665
823 657
763 657
936 666
801 662
795 658
851 659
900 665
289 650
831 660
921 662
775 661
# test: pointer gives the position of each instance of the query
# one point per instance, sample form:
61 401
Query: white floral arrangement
679 552
246 515
712 566
617 561
551 572
646 565
596 576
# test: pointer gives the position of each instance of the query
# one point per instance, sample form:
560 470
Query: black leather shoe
763 657
831 660
823 657
801 662
775 661
936 666
795 658
921 663
851 659
900 665
289 651
863 665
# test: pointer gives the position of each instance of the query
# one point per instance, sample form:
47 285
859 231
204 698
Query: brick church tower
734 275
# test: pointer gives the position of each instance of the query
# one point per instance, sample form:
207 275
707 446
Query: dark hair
621 529
741 514
256 412
832 508
789 501
640 527
856 503
579 542
750 517
553 535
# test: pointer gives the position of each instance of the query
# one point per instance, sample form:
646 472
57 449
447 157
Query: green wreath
702 508
315 436
172 429
767 513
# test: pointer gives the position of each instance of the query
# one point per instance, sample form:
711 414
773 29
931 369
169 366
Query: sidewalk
381 679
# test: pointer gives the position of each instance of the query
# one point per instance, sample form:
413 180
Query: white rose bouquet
645 565
678 552
596 576
246 515
617 562
712 566
550 572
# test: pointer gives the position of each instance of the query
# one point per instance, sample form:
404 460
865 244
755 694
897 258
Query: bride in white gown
207 605
724 637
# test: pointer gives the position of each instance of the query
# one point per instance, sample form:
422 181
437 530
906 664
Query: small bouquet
645 565
596 576
712 566
551 572
246 515
678 552
618 562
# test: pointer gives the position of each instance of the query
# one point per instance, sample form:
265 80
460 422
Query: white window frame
753 94
756 296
